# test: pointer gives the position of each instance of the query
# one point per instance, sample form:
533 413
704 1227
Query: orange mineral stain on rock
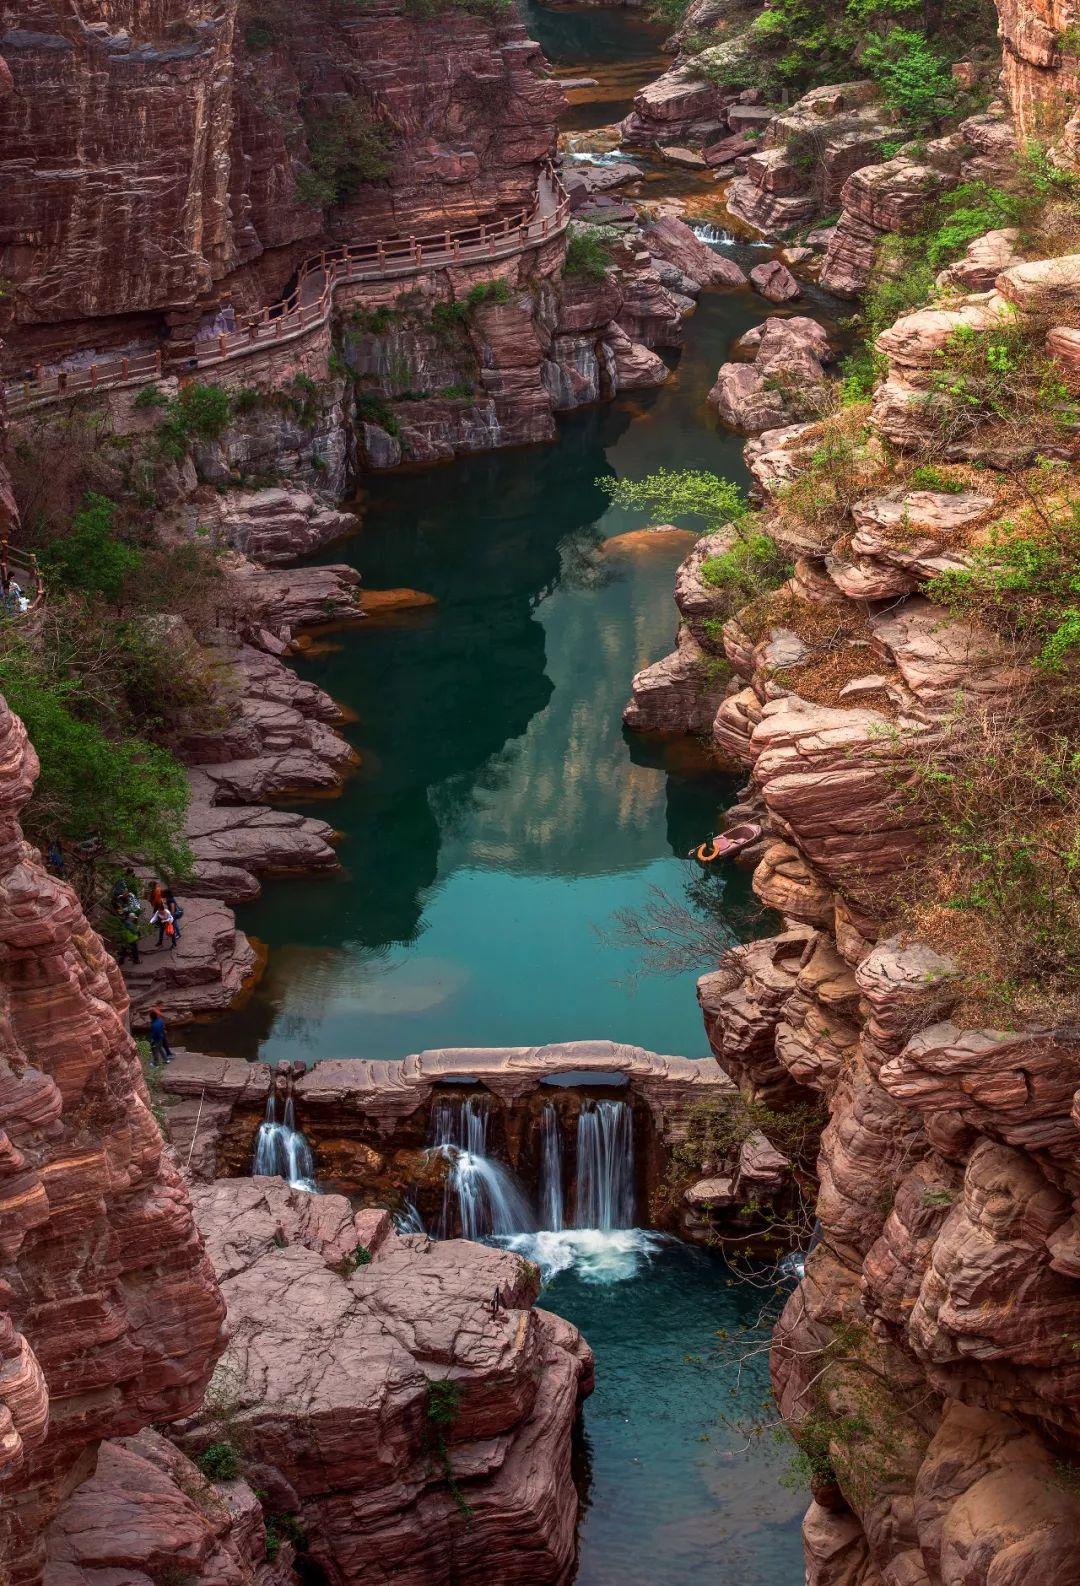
645 542
380 604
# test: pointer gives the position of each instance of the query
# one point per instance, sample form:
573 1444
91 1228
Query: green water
672 1496
501 815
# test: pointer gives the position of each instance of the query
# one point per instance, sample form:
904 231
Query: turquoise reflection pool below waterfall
501 815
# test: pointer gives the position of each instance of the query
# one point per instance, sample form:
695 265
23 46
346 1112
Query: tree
127 793
90 557
682 493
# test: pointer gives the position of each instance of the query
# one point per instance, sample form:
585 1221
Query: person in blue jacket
160 1050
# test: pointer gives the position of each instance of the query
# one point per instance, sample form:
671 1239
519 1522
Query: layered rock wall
926 1362
159 159
111 1314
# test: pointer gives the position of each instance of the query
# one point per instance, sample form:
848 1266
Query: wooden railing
310 303
21 568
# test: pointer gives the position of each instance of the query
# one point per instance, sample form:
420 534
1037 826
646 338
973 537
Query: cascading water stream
487 1198
282 1150
551 1170
605 1166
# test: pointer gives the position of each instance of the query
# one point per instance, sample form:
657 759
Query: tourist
175 910
157 896
160 1050
129 936
162 917
54 858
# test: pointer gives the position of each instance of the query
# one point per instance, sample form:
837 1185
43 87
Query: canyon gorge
529 1196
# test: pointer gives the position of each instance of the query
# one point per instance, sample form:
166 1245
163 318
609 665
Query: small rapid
282 1150
483 1200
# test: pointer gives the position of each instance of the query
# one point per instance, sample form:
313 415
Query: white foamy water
596 1256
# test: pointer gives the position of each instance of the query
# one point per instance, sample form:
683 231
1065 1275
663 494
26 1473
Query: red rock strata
111 1315
154 162
332 1380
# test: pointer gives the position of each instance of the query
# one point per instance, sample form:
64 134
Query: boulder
775 281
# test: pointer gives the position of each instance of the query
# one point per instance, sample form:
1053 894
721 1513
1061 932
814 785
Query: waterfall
551 1186
281 1150
705 231
605 1166
485 1193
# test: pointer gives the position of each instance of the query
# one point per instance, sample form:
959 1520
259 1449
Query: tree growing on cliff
128 794
347 146
748 564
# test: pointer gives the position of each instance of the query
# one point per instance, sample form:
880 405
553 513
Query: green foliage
913 75
126 792
442 1402
371 408
970 210
588 252
1025 582
346 148
359 1257
447 317
818 1435
750 565
90 557
375 321
258 35
927 477
460 391
487 292
219 1462
1004 375
198 412
672 494
279 1528
151 396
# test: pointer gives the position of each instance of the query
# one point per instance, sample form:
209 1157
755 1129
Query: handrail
20 567
339 266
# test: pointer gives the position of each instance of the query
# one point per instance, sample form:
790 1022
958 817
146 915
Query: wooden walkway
310 304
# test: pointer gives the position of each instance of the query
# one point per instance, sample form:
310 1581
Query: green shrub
927 477
151 396
219 1462
748 567
126 792
371 408
971 210
672 494
198 412
1025 582
588 252
258 35
485 292
279 1528
90 557
346 148
913 75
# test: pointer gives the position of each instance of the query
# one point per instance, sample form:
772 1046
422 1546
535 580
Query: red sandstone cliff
927 1362
110 1316
158 158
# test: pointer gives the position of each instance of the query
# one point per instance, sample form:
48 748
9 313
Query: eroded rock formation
411 1433
111 1318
